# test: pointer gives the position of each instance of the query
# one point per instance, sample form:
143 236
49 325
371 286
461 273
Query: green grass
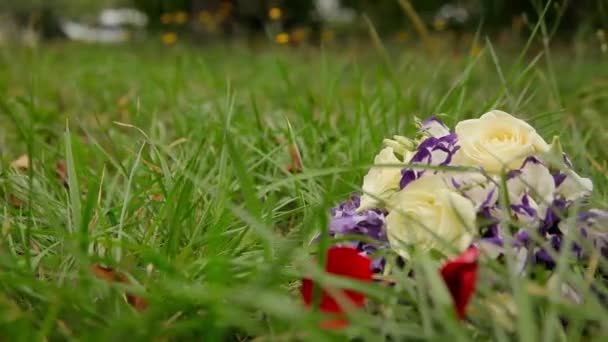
177 172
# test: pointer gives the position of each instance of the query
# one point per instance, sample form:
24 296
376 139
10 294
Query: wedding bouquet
489 184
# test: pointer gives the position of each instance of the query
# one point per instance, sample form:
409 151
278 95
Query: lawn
176 169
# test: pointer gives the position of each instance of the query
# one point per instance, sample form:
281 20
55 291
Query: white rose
427 214
381 182
497 140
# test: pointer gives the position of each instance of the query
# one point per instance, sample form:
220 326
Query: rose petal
346 262
460 276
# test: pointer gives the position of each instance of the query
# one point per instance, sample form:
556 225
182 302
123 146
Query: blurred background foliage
252 16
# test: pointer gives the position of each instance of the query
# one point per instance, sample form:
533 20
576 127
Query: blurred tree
60 7
569 15
386 15
43 16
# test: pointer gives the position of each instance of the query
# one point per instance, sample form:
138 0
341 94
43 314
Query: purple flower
408 176
553 216
345 220
524 208
569 185
588 227
477 186
521 238
434 127
559 178
591 226
437 151
531 190
542 257
556 241
513 173
490 198
491 237
487 214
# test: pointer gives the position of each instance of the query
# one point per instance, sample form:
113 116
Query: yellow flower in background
327 36
476 49
180 17
497 140
207 20
440 24
166 18
169 38
224 11
282 38
300 34
402 36
204 17
275 13
427 215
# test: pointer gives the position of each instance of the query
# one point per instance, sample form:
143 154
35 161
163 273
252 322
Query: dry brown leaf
15 202
62 172
139 303
157 197
22 163
110 275
296 162
152 167
596 165
124 100
178 142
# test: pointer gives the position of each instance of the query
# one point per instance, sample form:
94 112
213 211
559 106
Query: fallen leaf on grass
596 165
178 142
62 172
110 275
139 303
296 161
152 167
157 197
14 201
124 100
22 163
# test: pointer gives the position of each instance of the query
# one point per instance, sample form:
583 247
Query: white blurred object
30 37
122 16
453 12
114 25
91 34
330 10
